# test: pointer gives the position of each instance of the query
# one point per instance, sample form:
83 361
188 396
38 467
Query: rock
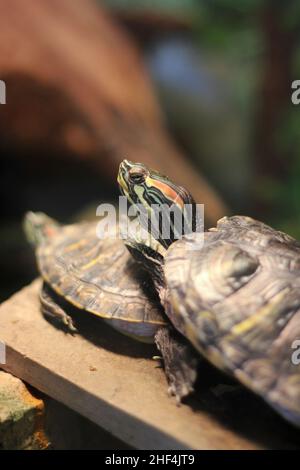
21 416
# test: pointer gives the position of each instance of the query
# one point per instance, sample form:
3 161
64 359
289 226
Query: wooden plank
113 381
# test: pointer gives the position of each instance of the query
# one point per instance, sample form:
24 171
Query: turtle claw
173 392
179 389
54 312
157 358
180 362
67 320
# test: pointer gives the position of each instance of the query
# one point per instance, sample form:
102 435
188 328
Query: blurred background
198 89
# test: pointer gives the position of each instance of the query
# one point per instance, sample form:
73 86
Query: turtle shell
237 299
100 277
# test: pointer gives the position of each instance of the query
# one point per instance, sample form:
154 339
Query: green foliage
170 6
226 24
231 33
283 195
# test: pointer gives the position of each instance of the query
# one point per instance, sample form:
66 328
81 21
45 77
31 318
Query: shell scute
98 276
237 298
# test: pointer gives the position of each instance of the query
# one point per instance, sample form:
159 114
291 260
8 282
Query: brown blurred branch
275 88
76 86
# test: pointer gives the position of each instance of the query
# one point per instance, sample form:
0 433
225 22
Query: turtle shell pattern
100 276
237 299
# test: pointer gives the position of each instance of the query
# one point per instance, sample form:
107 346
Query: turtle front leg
180 362
52 311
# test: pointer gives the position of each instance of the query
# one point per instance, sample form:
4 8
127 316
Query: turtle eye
137 176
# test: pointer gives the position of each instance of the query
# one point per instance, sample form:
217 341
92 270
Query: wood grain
113 381
108 378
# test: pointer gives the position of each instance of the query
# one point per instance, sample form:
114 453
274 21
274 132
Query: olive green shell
237 299
99 276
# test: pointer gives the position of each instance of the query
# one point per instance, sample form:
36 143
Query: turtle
97 275
233 290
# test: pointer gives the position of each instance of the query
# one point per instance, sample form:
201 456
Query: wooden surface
113 381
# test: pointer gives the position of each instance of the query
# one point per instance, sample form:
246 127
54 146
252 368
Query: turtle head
164 204
39 227
142 185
